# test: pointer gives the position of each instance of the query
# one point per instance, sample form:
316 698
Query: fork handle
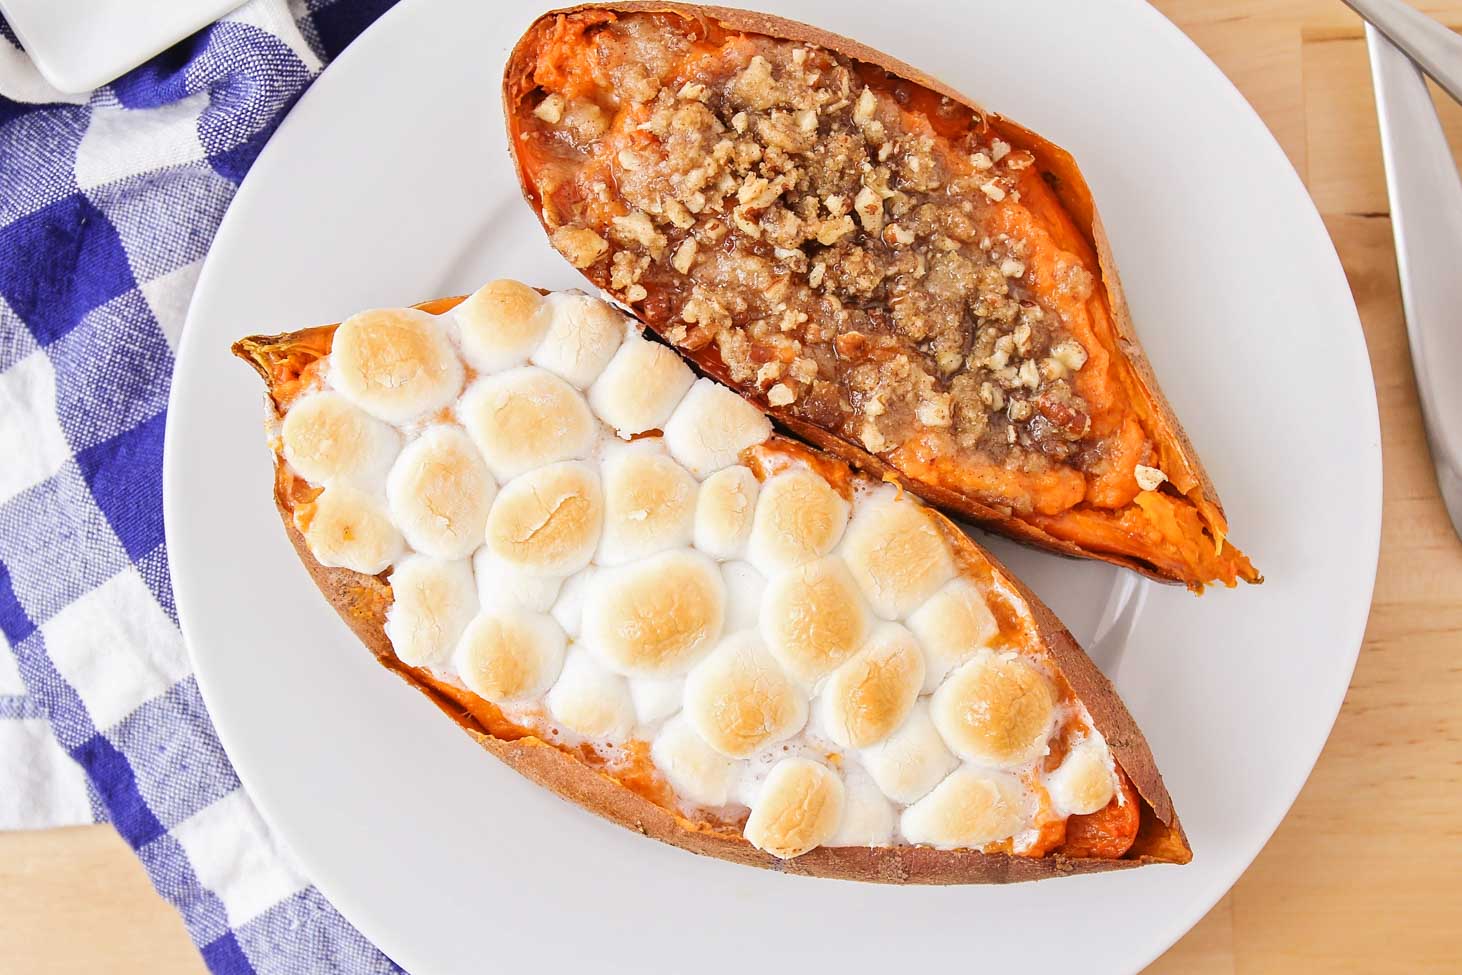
1426 217
1432 46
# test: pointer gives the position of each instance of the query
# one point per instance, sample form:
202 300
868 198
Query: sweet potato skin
1179 458
361 601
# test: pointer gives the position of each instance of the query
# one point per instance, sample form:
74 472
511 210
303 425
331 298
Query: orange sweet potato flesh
1138 829
1176 533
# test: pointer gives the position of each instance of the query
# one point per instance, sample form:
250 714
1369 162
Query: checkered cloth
108 203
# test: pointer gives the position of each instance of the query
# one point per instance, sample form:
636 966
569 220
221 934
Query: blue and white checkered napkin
108 203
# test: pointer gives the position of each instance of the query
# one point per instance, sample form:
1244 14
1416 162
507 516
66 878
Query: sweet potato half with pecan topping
893 273
1138 826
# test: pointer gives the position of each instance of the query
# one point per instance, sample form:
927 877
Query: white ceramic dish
390 182
78 45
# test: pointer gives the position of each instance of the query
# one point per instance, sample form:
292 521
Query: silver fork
1426 215
1432 46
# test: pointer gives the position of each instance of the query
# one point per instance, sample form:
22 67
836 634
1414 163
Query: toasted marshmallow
649 505
589 700
440 493
952 626
744 588
995 709
395 363
897 553
695 770
799 807
327 438
640 387
656 698
712 426
813 618
583 334
547 522
657 616
501 586
871 695
510 655
799 518
724 511
432 601
526 418
968 810
868 818
1084 782
501 324
912 760
739 700
568 608
347 528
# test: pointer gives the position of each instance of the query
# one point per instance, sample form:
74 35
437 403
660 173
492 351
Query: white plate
390 182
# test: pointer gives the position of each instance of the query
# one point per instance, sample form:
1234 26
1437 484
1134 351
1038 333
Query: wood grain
1361 877
76 900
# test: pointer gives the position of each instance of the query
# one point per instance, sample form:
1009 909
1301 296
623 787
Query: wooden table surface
1362 876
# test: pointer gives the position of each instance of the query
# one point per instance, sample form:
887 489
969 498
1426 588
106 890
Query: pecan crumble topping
849 245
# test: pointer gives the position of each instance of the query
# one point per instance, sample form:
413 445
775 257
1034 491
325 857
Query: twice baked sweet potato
698 629
893 273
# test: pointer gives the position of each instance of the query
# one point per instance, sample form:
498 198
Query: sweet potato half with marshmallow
623 584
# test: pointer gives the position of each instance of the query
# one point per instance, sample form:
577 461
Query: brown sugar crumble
772 202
